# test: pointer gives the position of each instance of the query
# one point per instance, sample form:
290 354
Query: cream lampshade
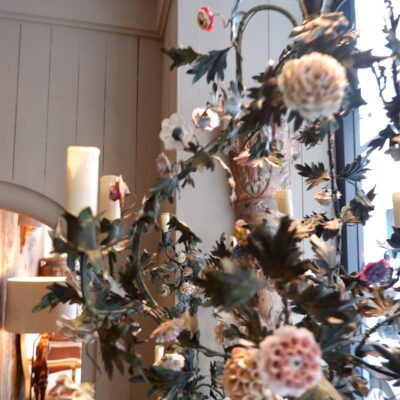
25 293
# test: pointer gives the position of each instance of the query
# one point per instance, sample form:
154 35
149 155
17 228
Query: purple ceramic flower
376 272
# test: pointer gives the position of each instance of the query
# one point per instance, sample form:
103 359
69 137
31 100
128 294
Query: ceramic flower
376 272
324 197
290 361
136 328
188 288
314 85
118 191
181 257
241 378
168 331
207 120
176 132
163 165
187 271
205 19
173 362
66 389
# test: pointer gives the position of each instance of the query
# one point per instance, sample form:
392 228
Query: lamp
22 295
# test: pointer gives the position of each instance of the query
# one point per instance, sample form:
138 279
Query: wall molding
157 33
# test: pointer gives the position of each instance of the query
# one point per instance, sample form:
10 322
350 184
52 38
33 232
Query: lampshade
25 293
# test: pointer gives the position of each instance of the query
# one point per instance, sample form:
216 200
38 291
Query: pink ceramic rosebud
118 191
205 19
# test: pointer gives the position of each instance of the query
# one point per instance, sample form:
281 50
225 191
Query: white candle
110 209
158 352
82 179
165 218
396 209
284 202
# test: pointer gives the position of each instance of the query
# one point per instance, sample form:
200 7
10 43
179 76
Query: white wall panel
32 106
91 90
120 107
62 118
9 60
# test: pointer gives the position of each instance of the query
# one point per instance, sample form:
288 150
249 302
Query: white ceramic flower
176 132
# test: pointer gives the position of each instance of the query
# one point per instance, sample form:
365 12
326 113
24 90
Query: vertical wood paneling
121 100
91 90
9 50
61 128
149 113
31 117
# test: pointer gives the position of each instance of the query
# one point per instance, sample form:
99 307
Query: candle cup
82 179
284 202
110 209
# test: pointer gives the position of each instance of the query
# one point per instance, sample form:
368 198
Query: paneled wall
71 85
63 86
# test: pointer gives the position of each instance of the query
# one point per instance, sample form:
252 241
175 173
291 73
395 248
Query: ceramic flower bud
118 191
163 165
205 19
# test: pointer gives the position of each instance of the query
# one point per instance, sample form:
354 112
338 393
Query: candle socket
81 231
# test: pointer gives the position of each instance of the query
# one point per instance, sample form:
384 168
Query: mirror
25 251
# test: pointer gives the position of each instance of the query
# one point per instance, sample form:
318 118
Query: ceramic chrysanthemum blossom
173 362
241 378
313 85
290 361
176 132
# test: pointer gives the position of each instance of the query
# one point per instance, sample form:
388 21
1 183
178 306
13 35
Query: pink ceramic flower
188 288
290 361
242 379
187 271
205 19
376 272
168 331
118 191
